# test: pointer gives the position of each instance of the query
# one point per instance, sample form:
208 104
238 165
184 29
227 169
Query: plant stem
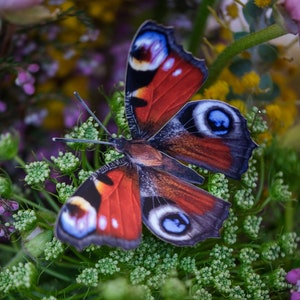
19 161
289 216
199 25
246 42
30 203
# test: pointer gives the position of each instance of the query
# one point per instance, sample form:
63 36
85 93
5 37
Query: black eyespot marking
219 122
105 179
176 223
141 53
138 102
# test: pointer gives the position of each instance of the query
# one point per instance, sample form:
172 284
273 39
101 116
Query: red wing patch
209 153
119 215
169 89
105 210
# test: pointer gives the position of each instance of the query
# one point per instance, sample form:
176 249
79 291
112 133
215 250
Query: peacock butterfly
152 183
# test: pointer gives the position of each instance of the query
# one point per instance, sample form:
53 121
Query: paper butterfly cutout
150 184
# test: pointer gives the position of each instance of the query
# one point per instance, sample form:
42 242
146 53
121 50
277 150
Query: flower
293 277
6 220
290 11
262 3
18 4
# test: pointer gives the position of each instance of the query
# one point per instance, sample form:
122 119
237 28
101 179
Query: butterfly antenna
83 103
71 140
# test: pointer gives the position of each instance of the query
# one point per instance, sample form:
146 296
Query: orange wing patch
119 215
173 84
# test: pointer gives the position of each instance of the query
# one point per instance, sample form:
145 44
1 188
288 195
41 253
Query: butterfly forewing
161 77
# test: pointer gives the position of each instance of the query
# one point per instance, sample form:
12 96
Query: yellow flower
274 111
232 10
66 65
54 119
281 116
226 34
233 81
218 91
105 11
219 47
76 83
250 81
263 3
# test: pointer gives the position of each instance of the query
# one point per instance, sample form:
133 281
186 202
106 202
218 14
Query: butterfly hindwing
104 210
161 77
178 212
209 134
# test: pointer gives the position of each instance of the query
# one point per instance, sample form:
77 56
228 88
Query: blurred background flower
51 48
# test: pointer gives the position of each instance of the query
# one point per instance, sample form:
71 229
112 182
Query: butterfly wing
209 134
179 212
161 77
104 210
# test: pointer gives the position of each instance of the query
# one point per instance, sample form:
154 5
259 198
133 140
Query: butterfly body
152 182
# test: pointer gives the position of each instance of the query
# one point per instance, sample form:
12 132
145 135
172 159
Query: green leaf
240 66
268 53
252 14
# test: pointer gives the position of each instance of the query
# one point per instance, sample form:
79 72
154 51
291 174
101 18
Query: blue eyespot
176 223
219 122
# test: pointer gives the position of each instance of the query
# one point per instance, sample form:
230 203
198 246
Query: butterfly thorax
139 152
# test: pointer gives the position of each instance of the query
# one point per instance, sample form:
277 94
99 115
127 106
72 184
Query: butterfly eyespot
210 118
148 52
176 223
78 218
219 122
169 222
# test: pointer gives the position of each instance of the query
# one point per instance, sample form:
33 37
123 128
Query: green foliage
248 262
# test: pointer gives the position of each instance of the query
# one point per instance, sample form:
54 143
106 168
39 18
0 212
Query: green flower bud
37 173
9 144
88 130
173 289
24 220
5 187
66 162
88 277
53 249
115 289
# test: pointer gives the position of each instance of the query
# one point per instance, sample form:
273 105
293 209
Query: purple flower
26 81
3 106
290 10
91 64
7 207
293 277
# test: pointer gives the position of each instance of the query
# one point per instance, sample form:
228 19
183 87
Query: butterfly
152 183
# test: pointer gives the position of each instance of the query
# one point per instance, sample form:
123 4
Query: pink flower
17 4
290 10
26 80
7 208
293 277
